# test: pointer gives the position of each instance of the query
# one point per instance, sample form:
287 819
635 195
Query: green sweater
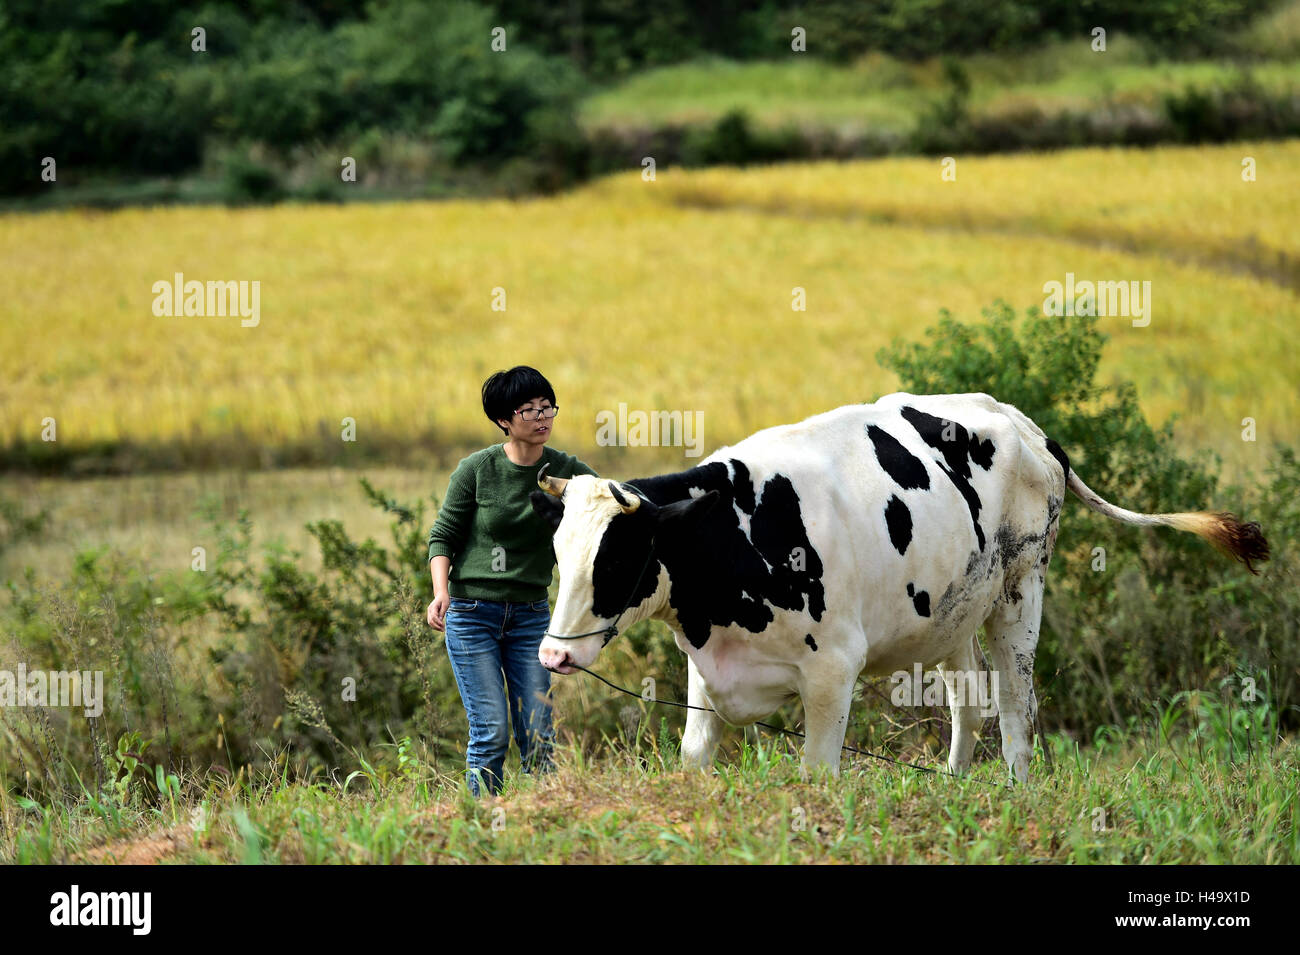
498 547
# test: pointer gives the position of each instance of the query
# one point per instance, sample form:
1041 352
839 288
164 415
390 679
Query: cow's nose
553 658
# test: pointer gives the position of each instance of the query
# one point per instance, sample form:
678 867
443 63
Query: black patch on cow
720 576
920 600
899 521
620 557
744 487
907 470
958 453
922 603
1055 451
811 642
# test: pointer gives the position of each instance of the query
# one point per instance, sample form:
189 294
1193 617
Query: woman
491 559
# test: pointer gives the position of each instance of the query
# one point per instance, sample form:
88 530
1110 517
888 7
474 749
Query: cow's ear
548 508
684 515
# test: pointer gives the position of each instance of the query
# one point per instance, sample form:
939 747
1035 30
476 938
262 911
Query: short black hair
507 390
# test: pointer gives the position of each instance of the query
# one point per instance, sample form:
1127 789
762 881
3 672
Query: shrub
243 664
1167 613
733 141
945 124
1241 110
332 661
103 88
246 180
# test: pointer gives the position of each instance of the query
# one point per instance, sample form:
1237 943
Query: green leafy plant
1166 614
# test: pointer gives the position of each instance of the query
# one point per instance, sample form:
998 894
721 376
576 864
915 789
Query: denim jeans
493 649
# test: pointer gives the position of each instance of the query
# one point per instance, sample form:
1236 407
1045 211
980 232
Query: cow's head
608 542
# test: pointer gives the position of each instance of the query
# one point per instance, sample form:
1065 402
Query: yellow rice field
673 294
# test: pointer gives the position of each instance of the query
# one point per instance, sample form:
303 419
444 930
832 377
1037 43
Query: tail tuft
1229 534
1225 531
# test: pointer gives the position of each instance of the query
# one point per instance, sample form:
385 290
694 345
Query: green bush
734 141
245 180
106 89
428 69
1167 614
248 663
610 38
945 124
332 662
1241 110
111 617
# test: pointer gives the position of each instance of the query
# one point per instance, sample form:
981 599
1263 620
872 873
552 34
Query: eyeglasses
532 414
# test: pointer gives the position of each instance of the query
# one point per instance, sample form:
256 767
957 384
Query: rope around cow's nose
851 749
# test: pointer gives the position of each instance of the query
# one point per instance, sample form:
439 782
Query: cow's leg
961 677
827 695
703 729
1012 631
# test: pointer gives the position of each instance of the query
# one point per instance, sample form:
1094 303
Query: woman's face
530 432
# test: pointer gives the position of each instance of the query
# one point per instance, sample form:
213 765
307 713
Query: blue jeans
486 641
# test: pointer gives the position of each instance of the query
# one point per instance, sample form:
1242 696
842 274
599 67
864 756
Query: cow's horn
552 486
628 504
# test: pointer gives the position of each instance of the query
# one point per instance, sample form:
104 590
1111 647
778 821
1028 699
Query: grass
883 94
667 295
1212 795
152 518
1196 209
631 804
877 93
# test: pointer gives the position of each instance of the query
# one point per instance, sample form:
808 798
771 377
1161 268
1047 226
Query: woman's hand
437 610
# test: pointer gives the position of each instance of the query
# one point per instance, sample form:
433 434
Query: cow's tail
1225 531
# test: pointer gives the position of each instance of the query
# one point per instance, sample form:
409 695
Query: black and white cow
866 539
